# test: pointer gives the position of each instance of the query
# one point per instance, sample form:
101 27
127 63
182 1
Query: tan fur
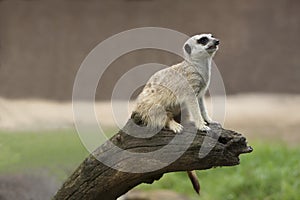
175 87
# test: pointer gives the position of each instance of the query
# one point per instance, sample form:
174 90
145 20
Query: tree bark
94 180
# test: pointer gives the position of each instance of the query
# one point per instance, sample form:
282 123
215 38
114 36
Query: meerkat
181 85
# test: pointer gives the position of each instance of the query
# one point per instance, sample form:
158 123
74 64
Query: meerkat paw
203 128
175 127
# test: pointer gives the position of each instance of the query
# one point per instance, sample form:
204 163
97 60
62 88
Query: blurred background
43 43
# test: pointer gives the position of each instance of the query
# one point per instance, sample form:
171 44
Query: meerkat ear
188 48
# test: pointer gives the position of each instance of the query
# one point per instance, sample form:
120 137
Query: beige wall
42 43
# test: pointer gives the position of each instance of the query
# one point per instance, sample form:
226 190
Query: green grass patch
270 172
55 151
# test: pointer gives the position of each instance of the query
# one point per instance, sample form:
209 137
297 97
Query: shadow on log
94 180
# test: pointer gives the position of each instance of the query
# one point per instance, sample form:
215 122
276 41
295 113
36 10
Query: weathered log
94 180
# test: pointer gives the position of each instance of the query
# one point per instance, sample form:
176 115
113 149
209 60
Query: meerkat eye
203 40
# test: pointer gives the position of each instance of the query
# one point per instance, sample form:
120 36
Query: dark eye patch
203 40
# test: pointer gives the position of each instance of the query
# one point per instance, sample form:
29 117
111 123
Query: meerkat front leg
204 113
194 110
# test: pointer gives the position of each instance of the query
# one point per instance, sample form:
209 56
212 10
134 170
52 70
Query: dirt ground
258 116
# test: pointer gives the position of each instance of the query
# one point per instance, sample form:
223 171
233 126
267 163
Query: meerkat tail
194 179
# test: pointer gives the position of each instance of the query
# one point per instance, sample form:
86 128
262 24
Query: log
94 180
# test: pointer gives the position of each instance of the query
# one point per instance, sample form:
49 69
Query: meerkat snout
211 48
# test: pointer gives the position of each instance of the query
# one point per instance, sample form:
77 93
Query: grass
56 151
271 172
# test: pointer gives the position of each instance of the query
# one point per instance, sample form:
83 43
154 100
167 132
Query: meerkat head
200 46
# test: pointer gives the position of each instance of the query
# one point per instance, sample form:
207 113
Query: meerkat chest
198 81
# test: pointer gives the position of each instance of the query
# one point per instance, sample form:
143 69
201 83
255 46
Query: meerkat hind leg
174 126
